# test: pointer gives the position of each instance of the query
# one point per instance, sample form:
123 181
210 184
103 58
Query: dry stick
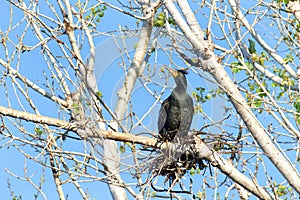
203 151
208 62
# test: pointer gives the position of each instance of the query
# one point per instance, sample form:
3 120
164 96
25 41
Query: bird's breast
180 112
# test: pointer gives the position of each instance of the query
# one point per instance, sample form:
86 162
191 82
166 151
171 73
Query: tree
72 124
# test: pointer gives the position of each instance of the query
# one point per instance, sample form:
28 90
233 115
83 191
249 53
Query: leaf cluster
95 14
201 96
161 20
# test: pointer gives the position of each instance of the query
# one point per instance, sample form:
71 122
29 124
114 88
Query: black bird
174 122
176 112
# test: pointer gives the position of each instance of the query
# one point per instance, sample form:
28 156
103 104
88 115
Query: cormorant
174 122
176 112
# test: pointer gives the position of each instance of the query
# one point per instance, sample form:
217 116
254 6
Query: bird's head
179 76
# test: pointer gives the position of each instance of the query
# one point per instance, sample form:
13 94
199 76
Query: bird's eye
184 71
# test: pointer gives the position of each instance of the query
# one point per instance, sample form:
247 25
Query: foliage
52 50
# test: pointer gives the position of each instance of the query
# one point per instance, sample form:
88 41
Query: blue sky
107 60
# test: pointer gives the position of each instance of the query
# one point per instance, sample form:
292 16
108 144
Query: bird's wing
191 110
163 112
191 106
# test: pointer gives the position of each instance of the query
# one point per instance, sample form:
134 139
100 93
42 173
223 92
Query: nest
176 159
176 169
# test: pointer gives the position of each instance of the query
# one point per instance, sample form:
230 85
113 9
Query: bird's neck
179 89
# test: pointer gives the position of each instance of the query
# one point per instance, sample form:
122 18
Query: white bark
111 152
208 62
203 150
295 8
258 38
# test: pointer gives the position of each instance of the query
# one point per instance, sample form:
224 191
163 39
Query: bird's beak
172 71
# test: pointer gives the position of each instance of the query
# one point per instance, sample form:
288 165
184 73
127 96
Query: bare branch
210 64
203 150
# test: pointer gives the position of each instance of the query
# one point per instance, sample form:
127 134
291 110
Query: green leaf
298 122
200 195
281 94
257 103
159 23
281 190
78 4
101 14
75 108
288 58
122 149
192 172
251 86
171 21
153 194
198 109
93 10
251 47
235 70
261 61
39 131
200 89
234 67
283 1
161 16
160 20
219 91
274 84
99 94
235 63
297 105
249 65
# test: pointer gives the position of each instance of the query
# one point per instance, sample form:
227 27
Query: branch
208 62
32 85
262 43
246 54
33 17
125 12
190 17
203 151
150 142
294 6
110 150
